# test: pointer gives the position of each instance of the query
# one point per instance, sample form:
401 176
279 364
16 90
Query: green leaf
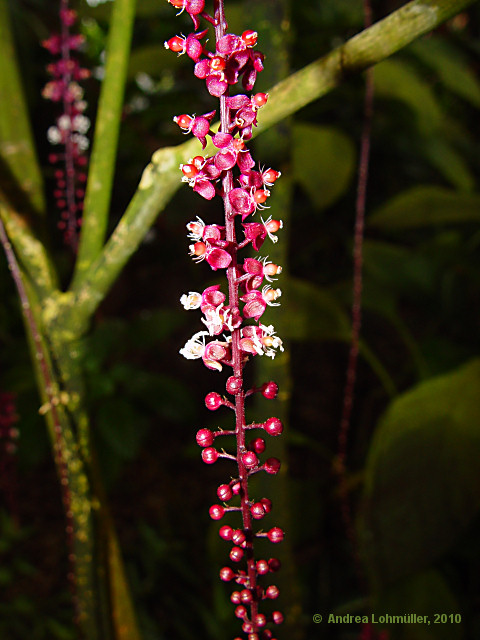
323 162
426 205
397 80
451 67
423 594
313 313
422 485
451 165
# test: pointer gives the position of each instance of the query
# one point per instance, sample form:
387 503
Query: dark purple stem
237 359
360 207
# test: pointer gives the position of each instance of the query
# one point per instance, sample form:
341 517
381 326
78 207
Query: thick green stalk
20 175
107 128
160 178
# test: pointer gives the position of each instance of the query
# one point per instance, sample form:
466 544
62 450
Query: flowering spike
233 331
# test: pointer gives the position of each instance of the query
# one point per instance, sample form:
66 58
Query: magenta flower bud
225 532
246 596
216 512
234 385
224 492
272 465
241 612
235 597
226 574
274 564
249 459
267 504
270 390
209 455
205 438
273 426
238 537
257 445
272 592
275 535
261 620
213 401
277 617
236 554
262 567
257 510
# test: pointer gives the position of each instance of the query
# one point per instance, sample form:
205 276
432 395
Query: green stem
102 162
160 178
20 175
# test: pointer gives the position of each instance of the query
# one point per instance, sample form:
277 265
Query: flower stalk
230 174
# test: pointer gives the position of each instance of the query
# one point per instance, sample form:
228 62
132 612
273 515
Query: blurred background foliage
414 446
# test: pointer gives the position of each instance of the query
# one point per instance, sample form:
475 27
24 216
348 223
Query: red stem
237 359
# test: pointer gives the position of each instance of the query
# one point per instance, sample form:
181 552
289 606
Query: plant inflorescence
233 331
69 131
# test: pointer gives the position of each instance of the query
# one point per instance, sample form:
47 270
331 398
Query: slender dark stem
360 206
237 359
52 399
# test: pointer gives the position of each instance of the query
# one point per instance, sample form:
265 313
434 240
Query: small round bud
270 176
261 620
189 170
267 504
236 554
209 455
213 401
226 574
275 535
235 597
259 99
198 161
224 492
277 617
273 426
272 465
260 195
274 564
205 437
184 121
238 537
236 488
216 512
241 612
198 249
249 459
272 592
267 634
253 636
269 389
262 567
257 510
247 627
175 44
234 385
246 596
257 445
225 532
273 226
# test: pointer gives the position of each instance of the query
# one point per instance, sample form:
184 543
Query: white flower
54 136
81 123
195 347
270 341
64 122
191 300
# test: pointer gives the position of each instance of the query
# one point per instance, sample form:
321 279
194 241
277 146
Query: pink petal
242 202
216 86
229 43
202 68
225 159
222 140
205 189
218 258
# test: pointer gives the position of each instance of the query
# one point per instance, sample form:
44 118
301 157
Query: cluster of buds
71 127
233 332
